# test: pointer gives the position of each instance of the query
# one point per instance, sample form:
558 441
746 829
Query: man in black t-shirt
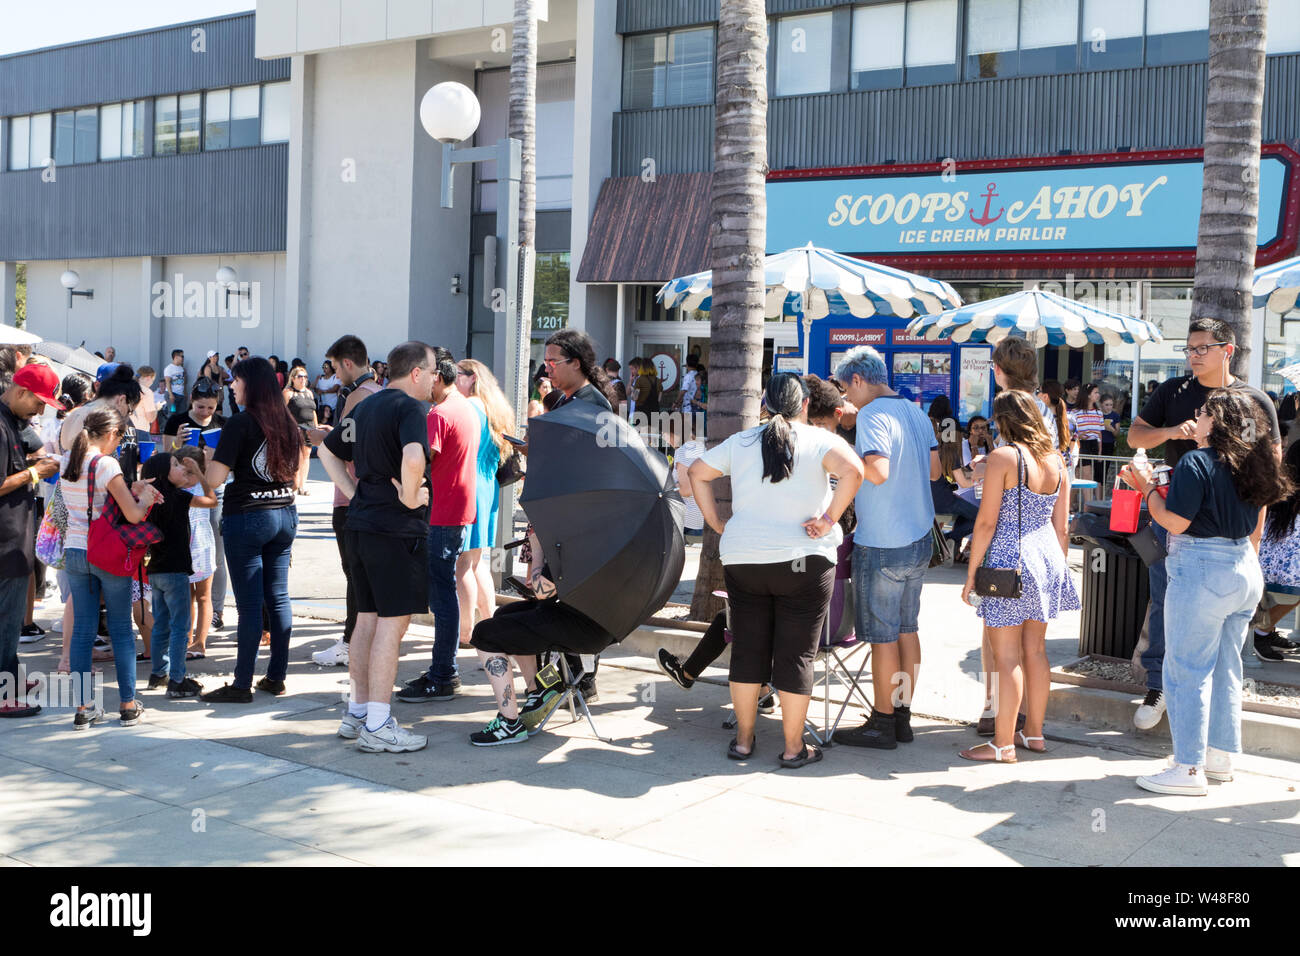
1169 418
386 438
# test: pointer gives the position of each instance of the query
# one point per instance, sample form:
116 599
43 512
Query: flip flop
195 656
142 657
806 756
734 754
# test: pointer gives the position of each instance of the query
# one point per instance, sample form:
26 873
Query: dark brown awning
648 231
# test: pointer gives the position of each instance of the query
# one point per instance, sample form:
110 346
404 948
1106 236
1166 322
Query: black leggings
710 648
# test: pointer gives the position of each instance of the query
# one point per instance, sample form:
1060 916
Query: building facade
992 143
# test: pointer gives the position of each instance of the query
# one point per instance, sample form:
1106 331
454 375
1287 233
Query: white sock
357 710
377 715
1259 633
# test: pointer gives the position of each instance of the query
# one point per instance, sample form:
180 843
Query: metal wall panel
1149 108
679 140
135 66
637 16
224 201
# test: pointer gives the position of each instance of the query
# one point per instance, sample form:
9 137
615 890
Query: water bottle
976 600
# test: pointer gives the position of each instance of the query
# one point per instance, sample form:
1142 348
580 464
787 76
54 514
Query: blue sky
28 25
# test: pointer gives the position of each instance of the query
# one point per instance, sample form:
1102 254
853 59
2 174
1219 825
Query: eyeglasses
554 362
1201 350
204 388
461 371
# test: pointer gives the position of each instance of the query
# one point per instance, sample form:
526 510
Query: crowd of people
202 477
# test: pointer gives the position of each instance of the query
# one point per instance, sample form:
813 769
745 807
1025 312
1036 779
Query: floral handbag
53 529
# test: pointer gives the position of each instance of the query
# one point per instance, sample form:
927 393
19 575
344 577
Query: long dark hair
121 382
1282 514
1243 437
1056 404
1019 423
783 400
578 345
97 424
264 401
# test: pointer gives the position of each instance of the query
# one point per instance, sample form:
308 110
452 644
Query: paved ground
270 783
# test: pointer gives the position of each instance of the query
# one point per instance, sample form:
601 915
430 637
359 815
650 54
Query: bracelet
829 519
1147 496
36 477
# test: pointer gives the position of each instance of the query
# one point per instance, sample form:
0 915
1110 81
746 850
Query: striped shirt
74 496
1089 422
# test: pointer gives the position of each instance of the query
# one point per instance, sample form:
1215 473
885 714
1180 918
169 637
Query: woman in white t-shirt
327 392
102 429
778 554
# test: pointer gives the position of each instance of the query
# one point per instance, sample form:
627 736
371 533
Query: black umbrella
606 512
74 358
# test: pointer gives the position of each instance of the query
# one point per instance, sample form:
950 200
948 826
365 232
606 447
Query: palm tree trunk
738 237
522 125
1225 241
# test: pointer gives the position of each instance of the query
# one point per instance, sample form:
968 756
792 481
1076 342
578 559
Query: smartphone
515 441
521 588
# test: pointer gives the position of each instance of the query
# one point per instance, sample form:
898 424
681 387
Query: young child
170 567
203 558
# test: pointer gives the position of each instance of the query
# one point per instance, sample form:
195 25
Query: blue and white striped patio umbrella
815 283
1278 286
1039 317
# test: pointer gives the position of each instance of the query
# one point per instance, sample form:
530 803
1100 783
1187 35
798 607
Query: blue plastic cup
193 437
211 436
147 448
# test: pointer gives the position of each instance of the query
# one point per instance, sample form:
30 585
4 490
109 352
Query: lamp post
69 281
450 113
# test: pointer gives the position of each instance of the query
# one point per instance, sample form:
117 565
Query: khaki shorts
1271 600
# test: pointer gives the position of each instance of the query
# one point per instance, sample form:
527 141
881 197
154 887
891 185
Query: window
19 141
275 113
216 120
876 57
191 111
1112 34
40 140
1049 36
931 42
65 128
896 44
992 29
1283 28
133 131
668 69
554 164
110 131
164 126
1178 31
245 115
86 143
803 54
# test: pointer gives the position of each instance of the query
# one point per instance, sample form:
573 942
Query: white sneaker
1150 710
1180 779
1218 765
350 727
336 655
391 738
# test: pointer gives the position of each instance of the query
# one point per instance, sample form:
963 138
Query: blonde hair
501 419
1020 423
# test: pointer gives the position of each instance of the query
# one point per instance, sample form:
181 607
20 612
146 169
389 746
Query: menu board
922 377
974 383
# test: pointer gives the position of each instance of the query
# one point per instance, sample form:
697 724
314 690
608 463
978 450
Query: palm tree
738 237
1225 241
522 125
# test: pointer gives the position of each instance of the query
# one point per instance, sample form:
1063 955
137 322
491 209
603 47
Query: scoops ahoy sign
1139 208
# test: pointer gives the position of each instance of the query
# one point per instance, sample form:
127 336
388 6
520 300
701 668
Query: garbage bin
1115 585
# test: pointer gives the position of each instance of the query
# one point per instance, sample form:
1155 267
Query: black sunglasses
204 388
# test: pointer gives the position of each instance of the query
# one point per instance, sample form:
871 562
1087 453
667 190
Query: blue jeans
171 624
1158 574
219 579
446 542
1214 585
887 589
257 547
13 605
88 583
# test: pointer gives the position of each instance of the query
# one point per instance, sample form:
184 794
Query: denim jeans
219 577
1214 585
257 559
171 624
446 542
1158 574
88 583
13 605
887 589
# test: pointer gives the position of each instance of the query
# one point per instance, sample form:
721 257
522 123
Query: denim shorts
887 589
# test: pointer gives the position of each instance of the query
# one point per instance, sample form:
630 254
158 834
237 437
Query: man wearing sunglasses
1169 418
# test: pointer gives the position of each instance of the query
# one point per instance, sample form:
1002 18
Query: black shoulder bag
1003 582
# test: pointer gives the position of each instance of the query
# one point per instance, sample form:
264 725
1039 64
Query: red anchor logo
988 198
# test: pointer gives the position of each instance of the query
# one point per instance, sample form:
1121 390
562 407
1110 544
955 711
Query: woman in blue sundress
1021 525
474 587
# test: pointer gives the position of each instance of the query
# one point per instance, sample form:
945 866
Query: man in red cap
33 386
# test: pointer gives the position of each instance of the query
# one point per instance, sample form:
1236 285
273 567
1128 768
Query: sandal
195 656
985 726
733 752
806 756
999 753
1023 743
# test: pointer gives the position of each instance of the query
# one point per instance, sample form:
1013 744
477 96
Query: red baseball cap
42 381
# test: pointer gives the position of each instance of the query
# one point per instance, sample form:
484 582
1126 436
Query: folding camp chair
838 647
572 694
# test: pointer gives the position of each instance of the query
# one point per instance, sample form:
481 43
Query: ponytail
75 457
784 400
97 424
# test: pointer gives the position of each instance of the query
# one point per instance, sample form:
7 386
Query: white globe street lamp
70 280
450 113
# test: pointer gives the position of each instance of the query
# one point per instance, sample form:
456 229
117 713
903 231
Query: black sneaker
158 680
275 687
35 630
903 724
183 690
423 690
767 702
103 623
228 694
217 623
1275 639
88 717
500 731
129 718
670 665
878 732
1265 650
